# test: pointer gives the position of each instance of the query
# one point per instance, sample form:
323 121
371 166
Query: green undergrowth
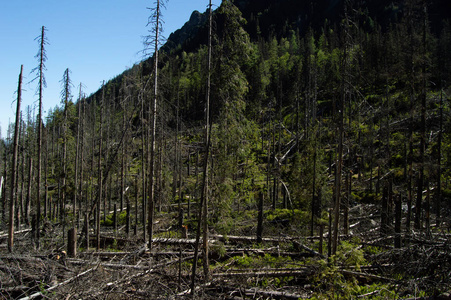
121 219
244 222
327 279
330 282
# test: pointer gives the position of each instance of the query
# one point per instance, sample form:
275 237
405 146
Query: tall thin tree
39 70
66 97
155 23
203 207
14 166
77 150
207 148
99 179
339 162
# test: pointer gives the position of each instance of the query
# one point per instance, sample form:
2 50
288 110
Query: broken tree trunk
260 219
72 242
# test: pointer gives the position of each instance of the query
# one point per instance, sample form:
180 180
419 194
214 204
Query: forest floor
284 266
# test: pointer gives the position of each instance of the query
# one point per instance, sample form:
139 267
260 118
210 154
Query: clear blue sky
96 40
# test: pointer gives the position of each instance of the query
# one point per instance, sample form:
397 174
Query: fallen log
309 250
177 241
188 291
249 239
2 236
261 252
106 254
369 294
118 282
145 253
41 293
253 270
107 265
271 273
366 275
272 240
135 254
273 294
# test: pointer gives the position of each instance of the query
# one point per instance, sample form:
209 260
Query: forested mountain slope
324 123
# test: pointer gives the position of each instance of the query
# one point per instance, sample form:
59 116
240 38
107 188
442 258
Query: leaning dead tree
14 166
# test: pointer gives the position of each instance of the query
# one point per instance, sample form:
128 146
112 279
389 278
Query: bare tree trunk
143 170
329 235
260 219
438 193
127 217
21 199
135 228
207 146
150 211
160 176
14 166
77 150
421 179
65 129
87 230
428 211
176 150
313 203
3 190
107 184
203 205
398 216
123 163
321 232
384 210
72 242
28 198
46 163
338 177
99 182
115 219
20 209
39 140
82 146
346 201
410 175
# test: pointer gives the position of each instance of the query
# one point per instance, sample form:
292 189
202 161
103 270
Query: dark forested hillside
303 146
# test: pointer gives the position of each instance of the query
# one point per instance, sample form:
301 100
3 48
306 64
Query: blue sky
96 40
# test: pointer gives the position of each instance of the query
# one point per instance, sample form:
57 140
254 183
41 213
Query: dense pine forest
266 150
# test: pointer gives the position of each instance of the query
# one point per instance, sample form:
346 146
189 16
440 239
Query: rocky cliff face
188 31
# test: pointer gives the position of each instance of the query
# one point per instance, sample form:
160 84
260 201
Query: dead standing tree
203 206
14 166
153 40
77 159
66 97
39 70
99 179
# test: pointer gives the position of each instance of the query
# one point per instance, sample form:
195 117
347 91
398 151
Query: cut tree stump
72 242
